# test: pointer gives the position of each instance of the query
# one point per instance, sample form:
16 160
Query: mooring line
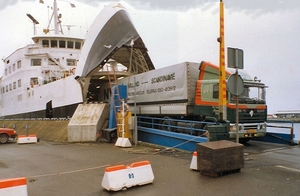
103 166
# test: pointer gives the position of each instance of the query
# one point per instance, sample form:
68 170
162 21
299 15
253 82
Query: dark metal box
219 157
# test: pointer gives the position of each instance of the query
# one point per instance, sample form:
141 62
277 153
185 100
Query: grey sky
252 7
175 31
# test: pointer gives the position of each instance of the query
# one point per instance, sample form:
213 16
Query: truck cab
252 106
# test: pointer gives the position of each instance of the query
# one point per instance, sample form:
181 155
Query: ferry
49 78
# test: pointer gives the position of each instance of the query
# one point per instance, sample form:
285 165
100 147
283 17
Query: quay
58 168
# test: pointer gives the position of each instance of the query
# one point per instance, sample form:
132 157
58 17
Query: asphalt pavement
53 168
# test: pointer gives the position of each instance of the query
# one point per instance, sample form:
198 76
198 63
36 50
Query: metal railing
195 128
291 128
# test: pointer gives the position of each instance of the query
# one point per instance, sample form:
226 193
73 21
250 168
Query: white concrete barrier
118 177
13 187
23 139
193 165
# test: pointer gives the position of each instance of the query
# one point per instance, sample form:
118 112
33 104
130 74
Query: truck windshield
252 94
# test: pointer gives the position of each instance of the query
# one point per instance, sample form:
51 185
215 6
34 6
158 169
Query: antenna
69 27
34 21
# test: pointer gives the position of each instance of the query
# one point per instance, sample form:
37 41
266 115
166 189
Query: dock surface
53 168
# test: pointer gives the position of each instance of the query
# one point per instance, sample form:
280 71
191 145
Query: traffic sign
235 84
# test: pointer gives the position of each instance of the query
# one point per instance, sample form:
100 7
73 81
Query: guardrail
189 127
291 128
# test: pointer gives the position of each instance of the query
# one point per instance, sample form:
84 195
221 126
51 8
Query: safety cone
193 164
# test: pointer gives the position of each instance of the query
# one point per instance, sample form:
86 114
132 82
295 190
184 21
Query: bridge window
70 44
45 43
62 43
77 45
53 43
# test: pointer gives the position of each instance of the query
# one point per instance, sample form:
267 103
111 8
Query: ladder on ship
116 102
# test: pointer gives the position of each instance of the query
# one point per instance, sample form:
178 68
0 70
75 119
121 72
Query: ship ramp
87 122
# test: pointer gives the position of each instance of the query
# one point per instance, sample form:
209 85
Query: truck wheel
166 122
3 138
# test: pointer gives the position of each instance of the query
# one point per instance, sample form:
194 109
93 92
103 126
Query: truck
6 134
190 91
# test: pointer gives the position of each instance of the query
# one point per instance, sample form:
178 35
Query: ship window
14 67
19 83
34 81
53 43
10 87
45 43
62 43
77 45
6 88
6 72
9 69
71 62
70 44
36 62
14 85
2 90
19 64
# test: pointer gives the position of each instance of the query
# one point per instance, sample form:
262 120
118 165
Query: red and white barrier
193 165
23 139
118 177
13 187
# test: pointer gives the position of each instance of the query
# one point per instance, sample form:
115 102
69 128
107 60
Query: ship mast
56 20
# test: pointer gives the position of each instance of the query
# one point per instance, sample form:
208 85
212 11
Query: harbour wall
45 129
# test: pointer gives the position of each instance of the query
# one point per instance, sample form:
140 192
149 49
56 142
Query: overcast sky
175 31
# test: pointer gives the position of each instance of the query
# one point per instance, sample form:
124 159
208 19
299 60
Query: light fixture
102 77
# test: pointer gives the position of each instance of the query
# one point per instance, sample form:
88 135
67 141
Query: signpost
235 83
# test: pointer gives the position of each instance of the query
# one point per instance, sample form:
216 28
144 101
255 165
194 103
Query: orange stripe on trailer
115 168
138 164
32 135
20 136
12 182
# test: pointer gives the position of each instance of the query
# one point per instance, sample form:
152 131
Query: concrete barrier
23 139
119 177
13 187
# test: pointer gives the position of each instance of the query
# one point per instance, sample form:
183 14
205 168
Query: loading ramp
87 122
